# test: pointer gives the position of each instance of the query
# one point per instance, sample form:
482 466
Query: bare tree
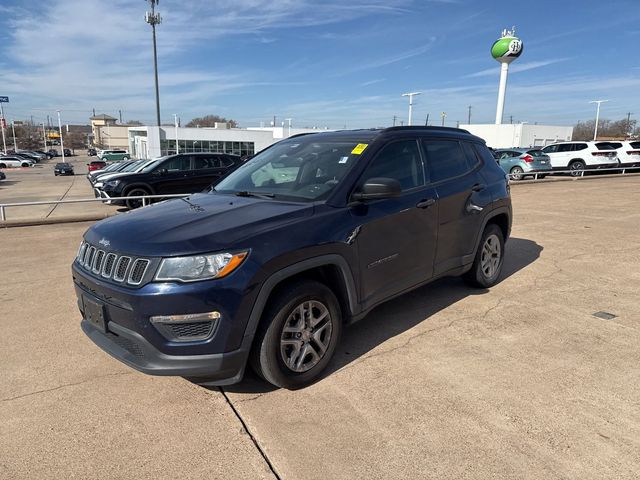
606 128
210 121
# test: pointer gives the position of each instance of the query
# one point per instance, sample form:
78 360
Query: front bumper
133 350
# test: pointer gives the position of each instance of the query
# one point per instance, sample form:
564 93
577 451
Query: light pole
15 142
289 120
469 119
443 115
153 19
410 95
175 122
595 130
61 140
2 126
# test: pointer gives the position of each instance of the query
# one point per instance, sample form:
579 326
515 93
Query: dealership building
152 142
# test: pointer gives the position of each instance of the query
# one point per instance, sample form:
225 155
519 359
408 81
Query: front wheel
298 335
135 202
489 258
125 158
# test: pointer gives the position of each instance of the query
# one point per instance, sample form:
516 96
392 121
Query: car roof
371 134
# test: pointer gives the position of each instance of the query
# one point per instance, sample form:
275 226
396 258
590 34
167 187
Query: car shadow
6 183
396 316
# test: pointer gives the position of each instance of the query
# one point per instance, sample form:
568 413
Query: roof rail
430 127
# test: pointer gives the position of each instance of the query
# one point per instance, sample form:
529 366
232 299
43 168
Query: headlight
199 267
112 183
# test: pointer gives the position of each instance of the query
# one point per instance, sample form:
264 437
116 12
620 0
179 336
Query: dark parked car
309 235
183 173
92 152
67 152
53 153
63 168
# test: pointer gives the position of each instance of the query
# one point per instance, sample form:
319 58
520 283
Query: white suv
579 156
628 152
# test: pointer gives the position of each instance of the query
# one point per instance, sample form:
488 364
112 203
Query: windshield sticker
359 148
343 159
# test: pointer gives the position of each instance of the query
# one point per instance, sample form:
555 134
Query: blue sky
323 63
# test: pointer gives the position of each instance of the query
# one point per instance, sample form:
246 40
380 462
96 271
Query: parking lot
521 381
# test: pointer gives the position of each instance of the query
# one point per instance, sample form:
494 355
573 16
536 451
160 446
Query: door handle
478 187
426 203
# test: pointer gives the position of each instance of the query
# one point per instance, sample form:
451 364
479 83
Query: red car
96 165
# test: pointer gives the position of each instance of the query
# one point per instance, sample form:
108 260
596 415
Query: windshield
132 167
301 169
151 164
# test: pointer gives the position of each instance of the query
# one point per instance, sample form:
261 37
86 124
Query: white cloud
516 68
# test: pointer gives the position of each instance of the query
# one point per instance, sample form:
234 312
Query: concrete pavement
521 381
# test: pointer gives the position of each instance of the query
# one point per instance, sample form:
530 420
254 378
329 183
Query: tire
540 177
135 192
577 167
125 158
487 264
2 165
297 357
516 173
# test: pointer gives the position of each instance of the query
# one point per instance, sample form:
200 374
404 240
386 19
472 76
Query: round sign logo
507 49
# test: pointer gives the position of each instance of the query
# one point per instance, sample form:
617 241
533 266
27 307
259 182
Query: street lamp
153 19
289 120
61 140
175 122
410 95
44 136
595 130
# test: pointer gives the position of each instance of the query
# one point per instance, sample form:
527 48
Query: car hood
112 176
203 223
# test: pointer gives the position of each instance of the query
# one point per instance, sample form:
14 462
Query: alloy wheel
491 256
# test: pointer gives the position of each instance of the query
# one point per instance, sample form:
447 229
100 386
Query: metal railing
144 198
573 173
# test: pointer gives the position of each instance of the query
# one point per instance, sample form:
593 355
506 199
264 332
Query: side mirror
378 188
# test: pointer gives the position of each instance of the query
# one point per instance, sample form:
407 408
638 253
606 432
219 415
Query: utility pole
410 95
3 126
120 112
511 119
443 115
426 122
61 140
289 120
153 19
94 113
469 118
15 142
394 120
595 130
44 136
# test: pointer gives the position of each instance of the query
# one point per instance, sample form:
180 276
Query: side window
484 153
400 161
472 158
550 149
565 147
176 164
203 161
445 159
581 146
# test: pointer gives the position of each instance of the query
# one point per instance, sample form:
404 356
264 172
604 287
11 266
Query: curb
54 221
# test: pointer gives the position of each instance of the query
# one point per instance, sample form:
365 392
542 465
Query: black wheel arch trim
493 214
276 278
128 188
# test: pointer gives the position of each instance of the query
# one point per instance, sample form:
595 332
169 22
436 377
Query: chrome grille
109 265
121 268
137 271
109 262
97 265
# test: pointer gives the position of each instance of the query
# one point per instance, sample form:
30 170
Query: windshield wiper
244 193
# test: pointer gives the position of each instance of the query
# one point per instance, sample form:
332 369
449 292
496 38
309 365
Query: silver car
522 162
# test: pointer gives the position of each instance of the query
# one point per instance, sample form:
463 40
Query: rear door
396 236
172 175
206 169
453 167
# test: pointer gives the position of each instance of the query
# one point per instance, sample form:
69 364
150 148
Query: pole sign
4 99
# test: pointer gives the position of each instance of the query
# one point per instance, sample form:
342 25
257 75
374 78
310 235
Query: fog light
192 317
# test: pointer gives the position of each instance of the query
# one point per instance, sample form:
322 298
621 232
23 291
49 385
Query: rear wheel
516 173
487 264
577 168
136 192
298 335
25 164
2 165
125 158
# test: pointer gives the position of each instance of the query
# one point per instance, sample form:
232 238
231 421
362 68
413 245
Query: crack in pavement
46 390
248 432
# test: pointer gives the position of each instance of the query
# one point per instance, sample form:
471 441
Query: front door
397 236
173 175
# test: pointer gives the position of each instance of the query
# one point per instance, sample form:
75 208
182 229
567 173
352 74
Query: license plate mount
94 313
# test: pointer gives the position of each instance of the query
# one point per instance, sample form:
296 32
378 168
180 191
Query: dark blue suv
309 235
